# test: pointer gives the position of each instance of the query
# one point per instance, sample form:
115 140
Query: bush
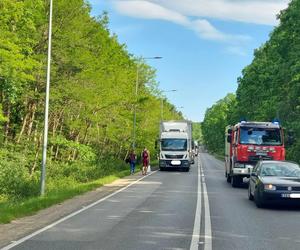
82 172
16 182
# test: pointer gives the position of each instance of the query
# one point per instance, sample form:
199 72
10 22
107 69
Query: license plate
176 163
292 196
262 153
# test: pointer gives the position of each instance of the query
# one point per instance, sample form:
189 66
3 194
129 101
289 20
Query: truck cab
248 142
175 147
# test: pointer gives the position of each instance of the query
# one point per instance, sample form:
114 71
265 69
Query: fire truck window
260 136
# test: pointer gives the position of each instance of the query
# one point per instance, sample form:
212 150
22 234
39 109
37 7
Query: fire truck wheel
228 178
235 181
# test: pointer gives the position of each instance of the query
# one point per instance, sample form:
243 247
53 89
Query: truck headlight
270 187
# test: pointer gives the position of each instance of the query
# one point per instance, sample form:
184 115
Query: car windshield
282 169
260 136
174 144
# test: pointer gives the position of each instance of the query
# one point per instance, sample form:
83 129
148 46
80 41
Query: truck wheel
258 200
228 179
235 181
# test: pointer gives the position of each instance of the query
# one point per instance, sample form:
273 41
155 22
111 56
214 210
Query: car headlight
269 187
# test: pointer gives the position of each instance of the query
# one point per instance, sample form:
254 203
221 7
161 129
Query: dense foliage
269 87
92 97
197 133
216 119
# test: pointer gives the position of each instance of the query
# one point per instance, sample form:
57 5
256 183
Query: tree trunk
7 123
37 152
33 112
23 127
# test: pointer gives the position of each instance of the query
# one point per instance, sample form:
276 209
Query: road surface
173 210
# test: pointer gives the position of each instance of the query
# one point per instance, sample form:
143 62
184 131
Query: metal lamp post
136 94
45 141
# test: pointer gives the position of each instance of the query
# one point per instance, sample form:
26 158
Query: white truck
175 145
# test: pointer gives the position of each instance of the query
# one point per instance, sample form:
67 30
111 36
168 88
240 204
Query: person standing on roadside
145 160
132 161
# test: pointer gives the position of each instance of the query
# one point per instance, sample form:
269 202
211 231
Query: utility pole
45 142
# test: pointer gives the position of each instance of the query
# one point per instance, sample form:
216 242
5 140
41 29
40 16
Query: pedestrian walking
145 160
132 161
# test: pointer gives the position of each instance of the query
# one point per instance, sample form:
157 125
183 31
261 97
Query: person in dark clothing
145 160
132 161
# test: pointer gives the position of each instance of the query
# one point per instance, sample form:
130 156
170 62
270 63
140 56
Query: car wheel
235 181
161 169
258 199
250 196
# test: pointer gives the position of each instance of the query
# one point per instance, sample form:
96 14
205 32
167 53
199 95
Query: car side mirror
254 174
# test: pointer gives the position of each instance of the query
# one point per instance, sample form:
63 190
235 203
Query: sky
205 44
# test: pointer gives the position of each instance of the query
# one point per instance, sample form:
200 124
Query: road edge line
197 221
18 242
207 223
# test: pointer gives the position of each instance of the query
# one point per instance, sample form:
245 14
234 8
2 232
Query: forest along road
160 211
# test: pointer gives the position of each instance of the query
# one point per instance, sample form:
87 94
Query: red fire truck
248 142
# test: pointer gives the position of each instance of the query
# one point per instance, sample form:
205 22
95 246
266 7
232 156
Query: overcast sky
205 44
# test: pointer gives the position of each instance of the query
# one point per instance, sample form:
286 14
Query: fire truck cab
248 142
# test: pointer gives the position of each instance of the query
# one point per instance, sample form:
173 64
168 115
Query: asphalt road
169 210
238 224
155 213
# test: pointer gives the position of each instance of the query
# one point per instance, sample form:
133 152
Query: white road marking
18 242
207 222
197 222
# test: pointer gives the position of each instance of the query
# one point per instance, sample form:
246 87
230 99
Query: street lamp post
45 141
162 103
136 94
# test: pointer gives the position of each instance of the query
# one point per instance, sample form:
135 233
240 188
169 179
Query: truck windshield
260 136
174 144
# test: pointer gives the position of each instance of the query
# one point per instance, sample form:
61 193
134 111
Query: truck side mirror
229 138
290 137
290 140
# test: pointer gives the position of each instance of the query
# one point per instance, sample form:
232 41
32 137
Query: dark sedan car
273 181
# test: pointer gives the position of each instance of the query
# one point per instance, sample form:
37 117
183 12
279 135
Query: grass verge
10 210
219 157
